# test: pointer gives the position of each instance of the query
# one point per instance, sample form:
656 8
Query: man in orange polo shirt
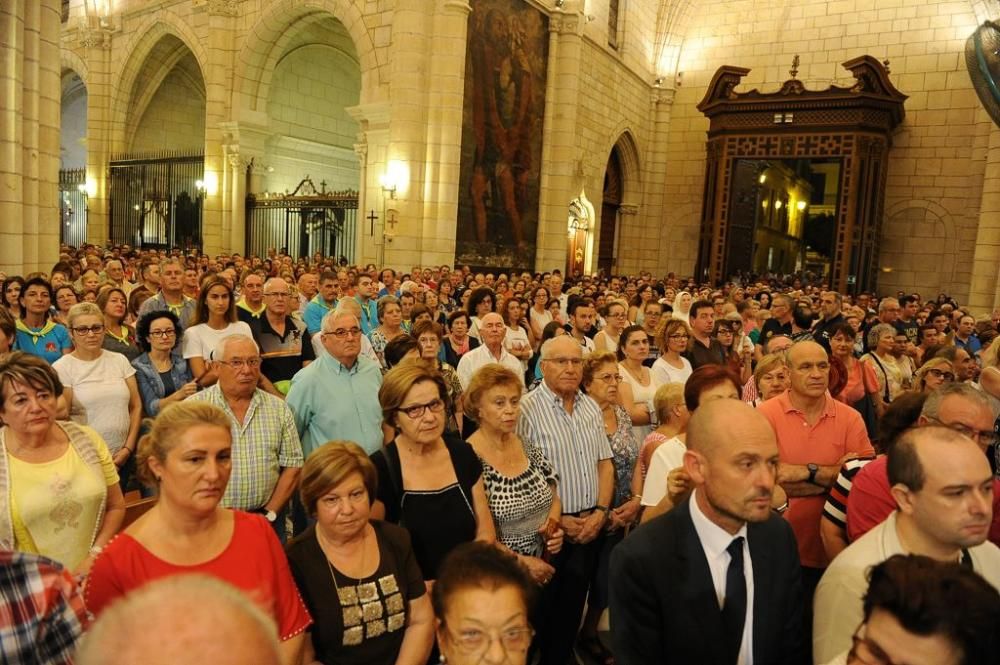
816 436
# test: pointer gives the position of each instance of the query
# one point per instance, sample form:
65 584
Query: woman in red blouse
187 456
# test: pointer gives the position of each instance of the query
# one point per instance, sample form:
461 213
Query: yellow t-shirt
54 505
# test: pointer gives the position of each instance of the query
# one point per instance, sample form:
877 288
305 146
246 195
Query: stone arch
69 60
146 37
916 236
266 42
628 156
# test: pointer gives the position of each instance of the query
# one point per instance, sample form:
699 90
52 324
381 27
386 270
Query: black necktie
734 608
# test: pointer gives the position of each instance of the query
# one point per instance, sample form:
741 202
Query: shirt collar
714 539
829 408
341 368
553 398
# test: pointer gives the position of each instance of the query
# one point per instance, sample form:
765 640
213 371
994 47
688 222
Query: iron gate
73 207
156 201
303 222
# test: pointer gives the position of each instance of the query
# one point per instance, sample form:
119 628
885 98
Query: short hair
667 397
145 323
577 304
595 360
844 329
383 303
670 328
922 330
886 303
623 339
487 377
36 281
901 415
397 348
424 327
932 407
191 601
903 463
705 377
83 309
477 296
480 565
768 364
803 317
929 597
459 314
837 297
104 295
167 429
398 381
876 333
219 352
698 305
201 310
330 465
29 370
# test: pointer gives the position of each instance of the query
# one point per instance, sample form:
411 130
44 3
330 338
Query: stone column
445 101
236 185
373 150
560 158
29 135
95 43
984 289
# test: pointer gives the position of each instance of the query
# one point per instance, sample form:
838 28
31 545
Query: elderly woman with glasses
100 385
428 483
60 495
161 372
484 602
358 576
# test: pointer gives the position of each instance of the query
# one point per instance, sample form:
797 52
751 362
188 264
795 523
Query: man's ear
695 464
903 497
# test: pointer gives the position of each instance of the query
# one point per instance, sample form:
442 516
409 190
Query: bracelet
96 549
637 496
603 509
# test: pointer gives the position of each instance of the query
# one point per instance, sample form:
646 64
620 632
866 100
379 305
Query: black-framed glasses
513 640
941 374
163 334
986 437
417 410
88 330
341 333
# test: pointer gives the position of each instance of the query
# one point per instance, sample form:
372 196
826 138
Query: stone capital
628 209
456 7
95 37
361 149
219 7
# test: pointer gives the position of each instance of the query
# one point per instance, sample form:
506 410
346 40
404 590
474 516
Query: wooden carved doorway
612 201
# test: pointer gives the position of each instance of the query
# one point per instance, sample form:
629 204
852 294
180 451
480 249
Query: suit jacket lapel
698 588
763 579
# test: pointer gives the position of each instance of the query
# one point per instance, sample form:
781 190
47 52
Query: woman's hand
120 457
188 389
678 485
540 571
553 535
627 513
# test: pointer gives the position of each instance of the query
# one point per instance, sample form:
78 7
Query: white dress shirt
714 541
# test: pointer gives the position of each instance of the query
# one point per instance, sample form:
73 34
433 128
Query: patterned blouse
521 504
625 449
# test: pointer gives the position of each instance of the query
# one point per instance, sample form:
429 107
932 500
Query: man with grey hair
944 491
336 397
114 275
285 344
492 331
568 427
267 456
171 294
183 619
780 322
961 361
957 406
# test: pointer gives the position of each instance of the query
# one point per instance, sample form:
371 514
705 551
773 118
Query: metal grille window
73 207
156 201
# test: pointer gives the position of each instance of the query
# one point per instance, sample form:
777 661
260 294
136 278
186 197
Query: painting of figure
505 73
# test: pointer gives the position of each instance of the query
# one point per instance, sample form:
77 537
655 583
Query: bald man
816 436
492 330
185 619
716 579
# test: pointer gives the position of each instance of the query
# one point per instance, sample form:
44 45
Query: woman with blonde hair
672 414
933 374
39 455
672 367
344 555
187 458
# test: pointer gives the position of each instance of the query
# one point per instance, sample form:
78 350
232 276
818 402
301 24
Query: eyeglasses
278 294
619 315
610 378
680 336
88 330
239 363
515 640
418 410
341 333
941 374
162 333
986 437
565 362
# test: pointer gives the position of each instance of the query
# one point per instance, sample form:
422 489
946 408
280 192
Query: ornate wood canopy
853 124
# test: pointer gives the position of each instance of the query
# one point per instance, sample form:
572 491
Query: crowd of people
346 464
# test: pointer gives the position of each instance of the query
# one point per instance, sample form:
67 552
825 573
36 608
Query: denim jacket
151 386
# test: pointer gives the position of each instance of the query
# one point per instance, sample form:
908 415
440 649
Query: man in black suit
716 580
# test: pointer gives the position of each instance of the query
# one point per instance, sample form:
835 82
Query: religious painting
505 72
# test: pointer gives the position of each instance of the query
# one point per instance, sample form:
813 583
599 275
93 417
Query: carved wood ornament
853 124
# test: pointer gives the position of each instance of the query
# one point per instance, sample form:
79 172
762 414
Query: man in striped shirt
569 428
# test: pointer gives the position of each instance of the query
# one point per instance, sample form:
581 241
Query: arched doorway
612 201
73 160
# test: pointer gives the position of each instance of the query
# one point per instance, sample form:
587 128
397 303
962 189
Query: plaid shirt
263 444
41 611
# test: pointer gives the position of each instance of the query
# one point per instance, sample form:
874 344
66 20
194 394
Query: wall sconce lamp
388 184
801 205
560 3
98 12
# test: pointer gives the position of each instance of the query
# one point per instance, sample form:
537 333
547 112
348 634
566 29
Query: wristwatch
813 470
269 515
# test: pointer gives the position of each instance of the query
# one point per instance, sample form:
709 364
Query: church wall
73 128
174 119
939 151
